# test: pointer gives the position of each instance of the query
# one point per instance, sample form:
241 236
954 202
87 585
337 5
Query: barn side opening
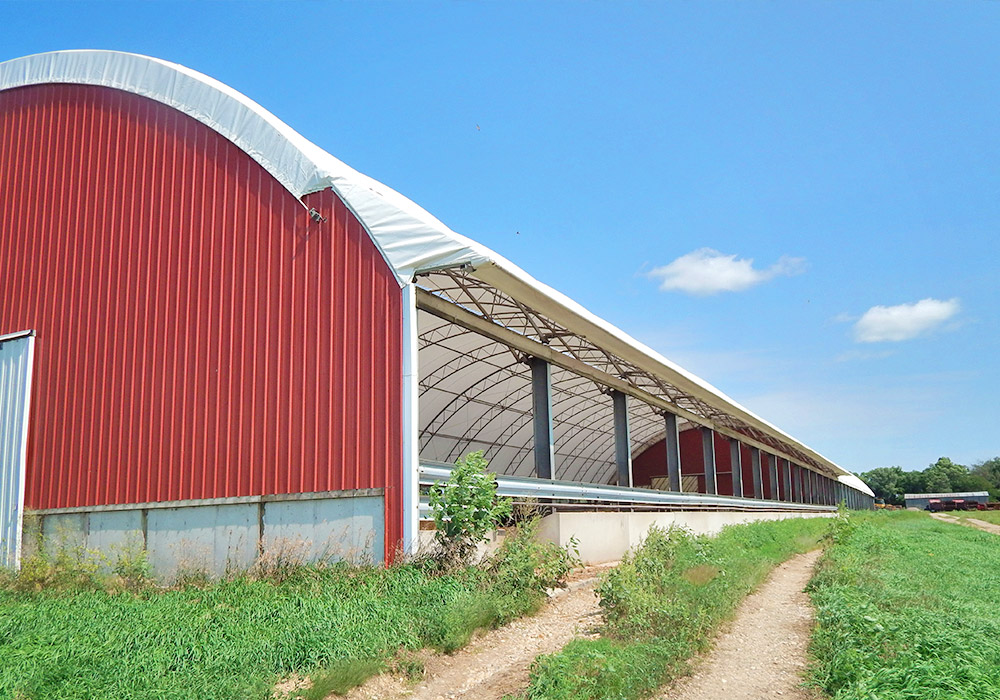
599 441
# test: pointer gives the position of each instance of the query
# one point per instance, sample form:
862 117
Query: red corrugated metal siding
692 459
746 460
198 335
723 466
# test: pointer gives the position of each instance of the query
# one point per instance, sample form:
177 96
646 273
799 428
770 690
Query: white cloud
706 271
894 323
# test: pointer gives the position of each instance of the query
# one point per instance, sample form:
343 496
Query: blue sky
639 156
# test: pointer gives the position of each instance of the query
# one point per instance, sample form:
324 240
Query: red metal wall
198 335
746 461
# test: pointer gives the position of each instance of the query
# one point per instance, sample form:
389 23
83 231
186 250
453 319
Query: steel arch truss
475 391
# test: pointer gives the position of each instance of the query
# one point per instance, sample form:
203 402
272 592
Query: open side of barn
224 342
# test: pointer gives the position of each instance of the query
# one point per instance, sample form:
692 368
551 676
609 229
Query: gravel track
763 653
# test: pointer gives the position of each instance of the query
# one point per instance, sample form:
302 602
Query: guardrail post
541 404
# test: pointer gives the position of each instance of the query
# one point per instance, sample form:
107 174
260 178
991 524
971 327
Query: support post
786 478
708 455
411 422
758 481
772 467
541 404
623 446
673 445
736 462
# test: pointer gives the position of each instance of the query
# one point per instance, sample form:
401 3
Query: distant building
920 500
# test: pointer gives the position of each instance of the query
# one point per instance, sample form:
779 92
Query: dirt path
974 522
763 654
496 663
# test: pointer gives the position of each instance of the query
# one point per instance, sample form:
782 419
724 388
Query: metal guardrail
575 491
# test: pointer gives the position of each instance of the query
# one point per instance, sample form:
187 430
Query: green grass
63 635
908 608
664 604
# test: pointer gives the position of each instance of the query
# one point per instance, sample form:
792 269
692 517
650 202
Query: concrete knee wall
217 536
605 536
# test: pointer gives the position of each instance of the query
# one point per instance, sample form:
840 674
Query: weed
408 666
340 677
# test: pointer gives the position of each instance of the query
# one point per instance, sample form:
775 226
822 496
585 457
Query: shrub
466 507
523 568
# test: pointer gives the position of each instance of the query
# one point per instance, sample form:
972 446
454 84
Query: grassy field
78 638
907 608
664 604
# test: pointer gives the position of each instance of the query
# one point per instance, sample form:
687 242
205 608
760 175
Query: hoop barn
230 333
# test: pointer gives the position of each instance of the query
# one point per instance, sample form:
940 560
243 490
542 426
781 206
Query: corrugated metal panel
15 396
198 334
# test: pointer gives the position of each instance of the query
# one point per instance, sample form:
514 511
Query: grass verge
663 604
235 639
907 609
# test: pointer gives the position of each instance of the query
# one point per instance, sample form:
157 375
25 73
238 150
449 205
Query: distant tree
913 482
886 482
989 470
945 476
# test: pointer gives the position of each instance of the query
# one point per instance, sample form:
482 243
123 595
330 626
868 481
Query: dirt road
497 663
974 522
763 654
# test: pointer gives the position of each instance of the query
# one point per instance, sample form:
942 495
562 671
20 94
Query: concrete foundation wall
220 535
605 537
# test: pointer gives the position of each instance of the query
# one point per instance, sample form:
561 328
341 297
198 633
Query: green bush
465 507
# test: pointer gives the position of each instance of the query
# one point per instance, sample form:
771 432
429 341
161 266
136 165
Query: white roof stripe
410 238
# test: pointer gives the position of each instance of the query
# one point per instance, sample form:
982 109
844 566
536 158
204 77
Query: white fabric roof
410 238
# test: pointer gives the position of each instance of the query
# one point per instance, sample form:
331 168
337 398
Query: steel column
736 464
541 404
623 445
673 445
786 477
708 455
758 480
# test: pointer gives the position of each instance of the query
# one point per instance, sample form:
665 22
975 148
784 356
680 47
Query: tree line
944 476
